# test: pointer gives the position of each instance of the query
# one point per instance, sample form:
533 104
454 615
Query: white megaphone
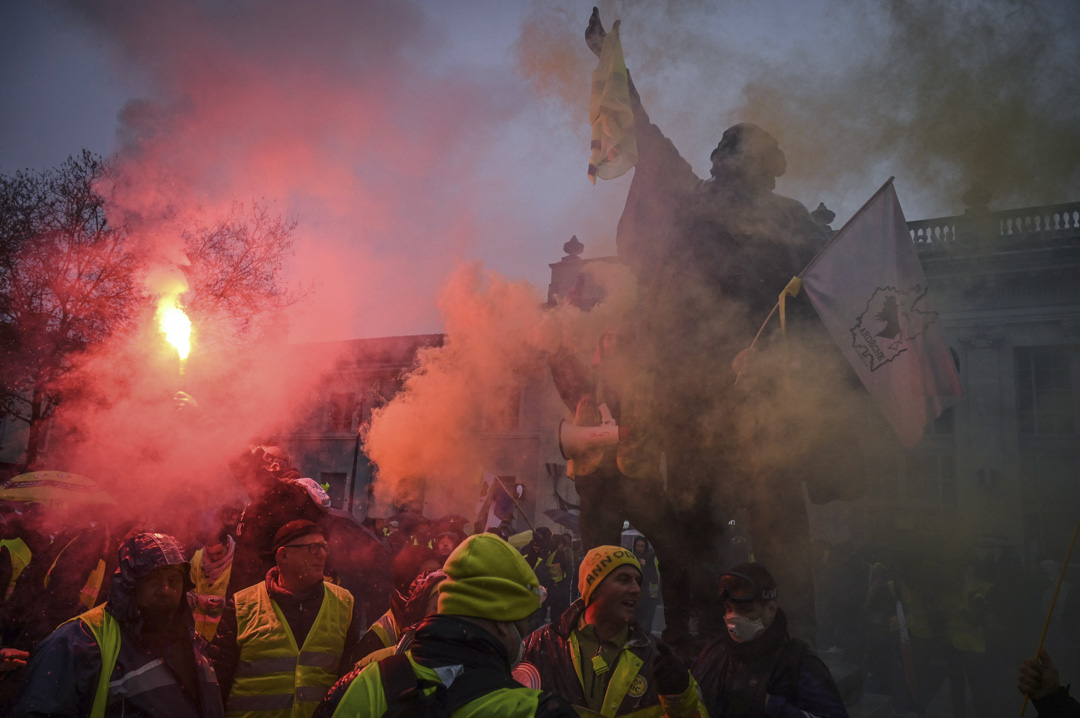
585 445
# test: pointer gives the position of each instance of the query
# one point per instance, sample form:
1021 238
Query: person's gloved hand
672 677
594 33
1038 678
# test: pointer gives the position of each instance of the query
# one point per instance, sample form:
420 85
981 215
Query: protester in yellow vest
135 655
211 567
423 602
386 631
461 659
283 642
600 660
20 556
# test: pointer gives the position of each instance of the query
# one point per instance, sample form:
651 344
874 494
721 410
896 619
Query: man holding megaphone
614 458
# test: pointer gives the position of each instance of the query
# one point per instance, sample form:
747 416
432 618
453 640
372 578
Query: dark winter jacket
735 678
479 679
550 651
161 672
1058 704
48 590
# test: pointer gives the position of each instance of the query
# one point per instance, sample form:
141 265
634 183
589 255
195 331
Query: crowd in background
908 620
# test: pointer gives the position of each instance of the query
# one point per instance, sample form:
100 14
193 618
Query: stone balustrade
1047 223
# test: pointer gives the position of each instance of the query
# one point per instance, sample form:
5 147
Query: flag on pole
614 144
868 287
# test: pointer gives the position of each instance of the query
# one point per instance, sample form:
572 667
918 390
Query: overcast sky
407 137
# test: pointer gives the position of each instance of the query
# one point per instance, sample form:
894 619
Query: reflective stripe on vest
274 676
208 617
20 556
154 674
48 574
88 596
385 627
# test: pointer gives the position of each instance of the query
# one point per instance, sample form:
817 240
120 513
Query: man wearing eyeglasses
757 668
283 642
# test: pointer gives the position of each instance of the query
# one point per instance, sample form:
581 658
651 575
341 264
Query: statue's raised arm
661 178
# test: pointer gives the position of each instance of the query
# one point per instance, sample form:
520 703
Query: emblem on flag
892 318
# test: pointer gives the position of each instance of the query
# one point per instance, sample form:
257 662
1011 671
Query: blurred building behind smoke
1001 468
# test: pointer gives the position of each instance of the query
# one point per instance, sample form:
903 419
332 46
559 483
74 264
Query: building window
1051 495
1044 391
341 411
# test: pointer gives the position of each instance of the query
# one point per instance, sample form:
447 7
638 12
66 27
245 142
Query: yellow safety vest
275 677
626 670
554 569
106 630
386 628
206 618
88 594
963 633
365 697
20 557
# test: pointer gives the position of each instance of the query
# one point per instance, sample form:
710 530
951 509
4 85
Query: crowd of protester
288 607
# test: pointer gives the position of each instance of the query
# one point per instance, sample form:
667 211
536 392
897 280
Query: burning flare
176 326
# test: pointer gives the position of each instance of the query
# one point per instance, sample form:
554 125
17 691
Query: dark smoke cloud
944 97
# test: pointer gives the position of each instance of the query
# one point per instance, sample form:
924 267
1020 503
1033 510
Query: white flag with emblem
868 287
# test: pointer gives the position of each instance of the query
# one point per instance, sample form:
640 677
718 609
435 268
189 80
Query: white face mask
742 629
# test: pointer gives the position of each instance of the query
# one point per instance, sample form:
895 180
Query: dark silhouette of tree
235 273
69 281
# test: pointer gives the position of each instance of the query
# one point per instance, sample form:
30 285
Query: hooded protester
599 659
461 659
423 602
410 562
135 655
64 576
756 668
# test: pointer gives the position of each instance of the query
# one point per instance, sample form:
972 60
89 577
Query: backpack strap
404 691
476 683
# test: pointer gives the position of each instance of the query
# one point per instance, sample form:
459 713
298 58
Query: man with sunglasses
285 641
757 668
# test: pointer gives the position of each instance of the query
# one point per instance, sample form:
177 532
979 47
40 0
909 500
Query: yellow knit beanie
488 578
598 563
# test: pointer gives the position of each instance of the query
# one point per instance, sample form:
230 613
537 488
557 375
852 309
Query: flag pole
809 264
1053 600
516 504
